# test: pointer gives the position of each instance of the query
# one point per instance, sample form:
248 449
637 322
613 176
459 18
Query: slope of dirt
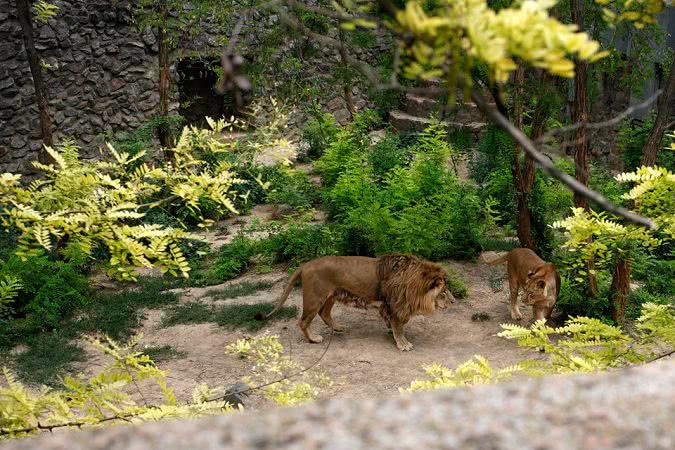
363 361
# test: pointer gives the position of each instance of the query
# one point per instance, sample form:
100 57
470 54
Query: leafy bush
582 345
49 290
574 301
632 137
387 155
234 258
318 133
293 188
456 285
85 204
412 204
301 242
494 152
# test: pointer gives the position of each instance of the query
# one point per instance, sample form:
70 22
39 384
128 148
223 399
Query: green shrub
640 296
362 39
417 207
51 290
234 258
318 133
573 301
348 146
301 242
494 152
388 154
293 188
456 285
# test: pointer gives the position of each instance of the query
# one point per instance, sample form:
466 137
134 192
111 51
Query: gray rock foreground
624 409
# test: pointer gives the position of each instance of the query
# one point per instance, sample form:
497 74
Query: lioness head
541 290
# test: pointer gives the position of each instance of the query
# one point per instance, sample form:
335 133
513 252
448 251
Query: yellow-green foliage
44 10
471 31
582 345
81 204
9 289
592 236
282 380
653 195
108 397
471 373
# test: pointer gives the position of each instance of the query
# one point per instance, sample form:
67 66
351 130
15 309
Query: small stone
18 141
117 84
342 116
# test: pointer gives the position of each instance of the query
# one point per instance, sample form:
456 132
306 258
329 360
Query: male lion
538 279
405 285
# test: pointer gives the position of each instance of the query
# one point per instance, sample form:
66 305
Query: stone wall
622 409
101 76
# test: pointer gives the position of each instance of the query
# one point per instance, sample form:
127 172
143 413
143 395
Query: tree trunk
620 288
347 88
580 115
664 107
24 14
522 177
163 131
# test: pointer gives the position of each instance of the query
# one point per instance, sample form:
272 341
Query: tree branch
548 167
597 125
493 114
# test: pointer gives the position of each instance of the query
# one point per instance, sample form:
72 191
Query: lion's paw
404 346
339 328
315 339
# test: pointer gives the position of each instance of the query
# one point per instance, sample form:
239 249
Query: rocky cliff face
101 75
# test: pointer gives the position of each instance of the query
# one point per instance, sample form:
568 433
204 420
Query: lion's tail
498 260
286 293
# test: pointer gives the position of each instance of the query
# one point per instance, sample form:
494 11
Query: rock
334 104
18 141
116 84
59 117
8 50
149 37
46 39
342 116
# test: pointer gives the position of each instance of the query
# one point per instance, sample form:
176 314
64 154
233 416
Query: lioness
538 279
405 285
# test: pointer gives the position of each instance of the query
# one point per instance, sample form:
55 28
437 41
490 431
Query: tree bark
347 88
24 15
620 288
164 133
580 115
522 177
664 107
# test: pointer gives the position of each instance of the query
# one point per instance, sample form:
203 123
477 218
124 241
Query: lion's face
540 290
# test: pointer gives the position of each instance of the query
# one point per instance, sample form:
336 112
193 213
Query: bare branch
597 125
549 168
492 113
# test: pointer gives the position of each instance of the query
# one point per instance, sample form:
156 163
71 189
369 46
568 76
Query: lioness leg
325 311
399 337
513 290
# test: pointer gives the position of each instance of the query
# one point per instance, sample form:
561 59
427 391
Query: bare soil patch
363 361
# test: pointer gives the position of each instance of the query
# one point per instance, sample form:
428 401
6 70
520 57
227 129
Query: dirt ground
363 361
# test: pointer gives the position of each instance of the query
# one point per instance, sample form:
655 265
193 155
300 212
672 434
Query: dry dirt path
363 361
